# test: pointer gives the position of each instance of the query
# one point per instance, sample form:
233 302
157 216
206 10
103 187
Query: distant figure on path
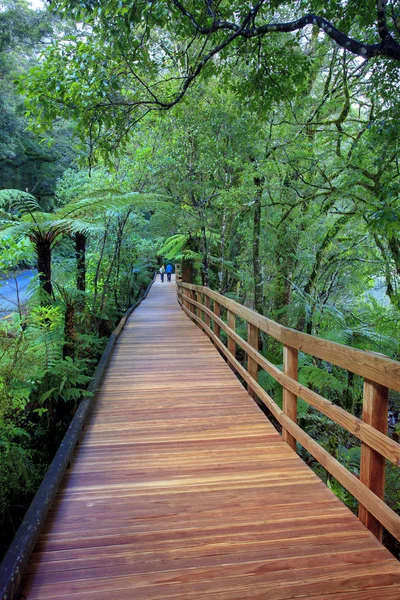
169 271
162 271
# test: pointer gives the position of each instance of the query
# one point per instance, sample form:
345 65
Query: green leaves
320 378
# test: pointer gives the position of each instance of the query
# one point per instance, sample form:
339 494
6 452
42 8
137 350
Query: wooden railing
380 373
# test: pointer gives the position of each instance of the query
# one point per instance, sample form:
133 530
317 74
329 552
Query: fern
320 378
174 246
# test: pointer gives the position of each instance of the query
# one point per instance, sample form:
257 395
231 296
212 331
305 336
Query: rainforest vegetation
255 143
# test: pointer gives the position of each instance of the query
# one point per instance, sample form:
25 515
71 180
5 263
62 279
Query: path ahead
182 489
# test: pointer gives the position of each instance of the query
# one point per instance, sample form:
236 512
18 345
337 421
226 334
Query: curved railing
380 373
16 559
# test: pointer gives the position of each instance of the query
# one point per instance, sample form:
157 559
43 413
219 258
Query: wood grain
372 467
289 399
252 365
232 327
181 489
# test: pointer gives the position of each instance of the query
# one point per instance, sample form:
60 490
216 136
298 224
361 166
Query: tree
24 218
27 161
132 58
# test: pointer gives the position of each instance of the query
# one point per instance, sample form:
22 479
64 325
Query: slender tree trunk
80 254
188 266
282 284
117 247
257 273
43 253
96 277
121 228
204 270
390 289
309 287
222 252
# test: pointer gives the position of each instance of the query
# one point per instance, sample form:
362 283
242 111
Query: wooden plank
366 433
370 365
372 467
252 365
182 489
289 399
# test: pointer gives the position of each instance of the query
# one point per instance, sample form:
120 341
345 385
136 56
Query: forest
256 144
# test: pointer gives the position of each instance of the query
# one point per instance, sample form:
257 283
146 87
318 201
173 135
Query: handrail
371 429
370 365
16 559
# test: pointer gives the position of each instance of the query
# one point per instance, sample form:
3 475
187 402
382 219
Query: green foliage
27 161
321 379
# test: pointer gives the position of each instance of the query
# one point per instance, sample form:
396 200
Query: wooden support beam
232 325
206 317
289 404
193 296
372 468
185 295
252 365
217 312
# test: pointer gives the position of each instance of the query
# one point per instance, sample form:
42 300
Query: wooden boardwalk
182 489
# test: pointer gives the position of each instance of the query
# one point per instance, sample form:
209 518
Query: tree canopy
127 59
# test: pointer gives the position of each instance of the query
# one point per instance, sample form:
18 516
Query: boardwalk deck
182 489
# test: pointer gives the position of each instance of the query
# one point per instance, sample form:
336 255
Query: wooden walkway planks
182 489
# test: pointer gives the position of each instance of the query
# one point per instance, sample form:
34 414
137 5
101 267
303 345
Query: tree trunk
187 271
97 275
222 252
80 254
204 270
43 253
257 273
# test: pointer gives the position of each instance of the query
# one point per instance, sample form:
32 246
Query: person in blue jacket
169 270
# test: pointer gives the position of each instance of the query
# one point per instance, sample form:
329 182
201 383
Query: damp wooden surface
182 489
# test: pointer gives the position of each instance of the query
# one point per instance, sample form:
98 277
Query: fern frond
174 245
17 200
320 378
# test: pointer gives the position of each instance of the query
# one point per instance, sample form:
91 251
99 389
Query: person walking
162 271
169 271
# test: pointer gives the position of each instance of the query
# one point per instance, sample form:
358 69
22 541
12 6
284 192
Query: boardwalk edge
16 559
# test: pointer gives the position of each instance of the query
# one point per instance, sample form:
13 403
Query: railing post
232 325
217 312
289 399
252 365
372 467
207 319
185 294
193 297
